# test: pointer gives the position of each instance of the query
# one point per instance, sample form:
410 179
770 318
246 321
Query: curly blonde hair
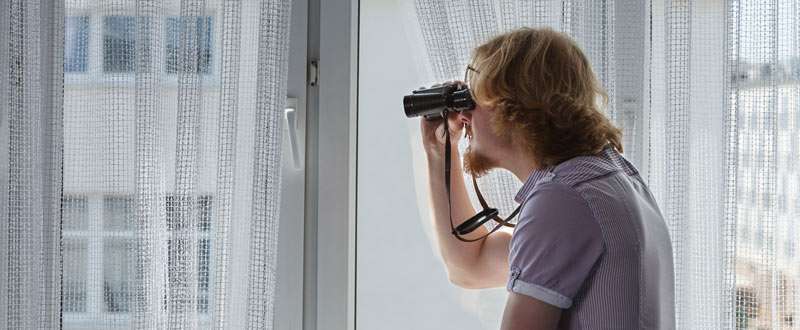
545 94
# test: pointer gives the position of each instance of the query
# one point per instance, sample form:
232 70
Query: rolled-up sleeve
555 245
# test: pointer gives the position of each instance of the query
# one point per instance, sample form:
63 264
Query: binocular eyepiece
431 102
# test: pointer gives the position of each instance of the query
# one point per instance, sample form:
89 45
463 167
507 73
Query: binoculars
431 102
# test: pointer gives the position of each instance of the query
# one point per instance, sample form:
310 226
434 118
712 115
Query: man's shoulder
552 200
581 169
565 177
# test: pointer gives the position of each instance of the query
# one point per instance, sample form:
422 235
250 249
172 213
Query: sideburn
475 164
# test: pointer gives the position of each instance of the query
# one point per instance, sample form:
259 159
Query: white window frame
329 258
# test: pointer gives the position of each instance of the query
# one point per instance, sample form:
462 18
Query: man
590 250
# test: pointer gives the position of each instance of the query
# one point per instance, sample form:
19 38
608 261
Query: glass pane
119 41
117 213
204 210
203 207
203 269
117 274
74 213
74 280
203 278
76 43
193 33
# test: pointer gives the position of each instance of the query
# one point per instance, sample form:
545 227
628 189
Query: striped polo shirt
591 240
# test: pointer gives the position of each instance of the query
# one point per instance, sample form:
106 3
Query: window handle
290 114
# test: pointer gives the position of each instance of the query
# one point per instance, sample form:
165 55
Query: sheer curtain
30 163
140 162
707 93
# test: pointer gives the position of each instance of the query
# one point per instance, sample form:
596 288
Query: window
74 220
783 115
204 254
74 281
75 213
203 244
118 268
117 213
179 33
746 306
203 277
745 234
795 67
760 235
116 245
76 43
110 44
119 41
788 243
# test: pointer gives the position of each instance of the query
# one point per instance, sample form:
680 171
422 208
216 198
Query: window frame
330 256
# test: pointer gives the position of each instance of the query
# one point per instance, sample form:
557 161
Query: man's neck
522 165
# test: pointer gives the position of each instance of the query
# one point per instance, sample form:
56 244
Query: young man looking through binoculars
590 249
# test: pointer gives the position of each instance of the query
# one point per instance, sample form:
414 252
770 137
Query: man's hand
433 136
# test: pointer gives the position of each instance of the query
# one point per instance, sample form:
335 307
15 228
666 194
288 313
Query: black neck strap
482 217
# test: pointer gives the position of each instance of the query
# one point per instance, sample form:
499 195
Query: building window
760 235
204 253
113 238
194 33
789 241
119 42
745 235
118 268
74 278
203 211
76 43
74 220
117 213
75 213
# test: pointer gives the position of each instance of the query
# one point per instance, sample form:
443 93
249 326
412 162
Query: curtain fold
140 162
707 94
30 153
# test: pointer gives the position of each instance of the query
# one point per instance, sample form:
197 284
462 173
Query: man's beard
477 164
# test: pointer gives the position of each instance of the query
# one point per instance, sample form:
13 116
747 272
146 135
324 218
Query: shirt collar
534 178
610 156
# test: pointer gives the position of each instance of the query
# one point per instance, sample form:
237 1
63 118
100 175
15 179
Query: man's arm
472 265
557 243
526 313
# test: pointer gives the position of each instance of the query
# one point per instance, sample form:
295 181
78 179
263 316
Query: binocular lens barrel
430 102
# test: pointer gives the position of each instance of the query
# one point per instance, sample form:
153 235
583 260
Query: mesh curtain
31 116
707 94
140 153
